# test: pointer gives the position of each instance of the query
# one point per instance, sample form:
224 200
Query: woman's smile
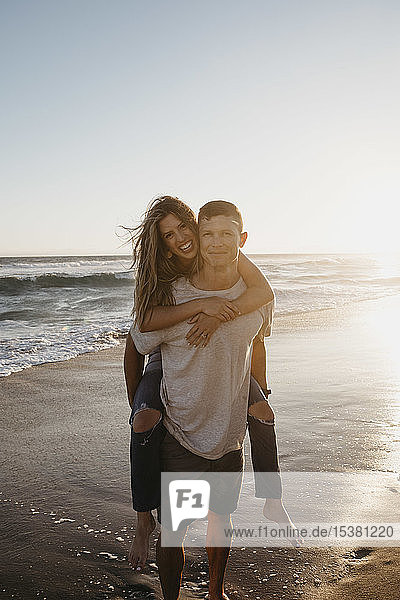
187 246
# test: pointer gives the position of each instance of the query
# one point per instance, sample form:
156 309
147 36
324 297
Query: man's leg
170 553
170 561
226 477
218 553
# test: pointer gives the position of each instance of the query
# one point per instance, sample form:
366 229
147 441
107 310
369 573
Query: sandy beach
65 503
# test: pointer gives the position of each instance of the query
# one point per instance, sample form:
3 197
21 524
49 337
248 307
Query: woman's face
178 238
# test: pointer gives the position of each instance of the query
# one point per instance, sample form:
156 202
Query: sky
287 108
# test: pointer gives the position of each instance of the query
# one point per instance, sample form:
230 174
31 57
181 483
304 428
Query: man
205 390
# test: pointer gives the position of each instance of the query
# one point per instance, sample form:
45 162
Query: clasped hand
215 310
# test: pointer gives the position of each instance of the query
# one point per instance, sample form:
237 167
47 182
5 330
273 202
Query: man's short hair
217 208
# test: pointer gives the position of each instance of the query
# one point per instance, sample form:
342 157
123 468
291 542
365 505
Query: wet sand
65 502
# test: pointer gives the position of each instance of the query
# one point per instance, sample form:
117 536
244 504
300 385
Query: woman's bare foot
139 549
275 511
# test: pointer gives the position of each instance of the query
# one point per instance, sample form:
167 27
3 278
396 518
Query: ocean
55 308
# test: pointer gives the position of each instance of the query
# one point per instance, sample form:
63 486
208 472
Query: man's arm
133 368
259 291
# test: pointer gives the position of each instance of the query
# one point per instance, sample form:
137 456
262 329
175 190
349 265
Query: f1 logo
188 499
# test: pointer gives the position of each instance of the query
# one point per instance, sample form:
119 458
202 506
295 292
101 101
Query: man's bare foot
223 597
139 549
275 511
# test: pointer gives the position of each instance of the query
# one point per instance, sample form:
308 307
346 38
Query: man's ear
243 238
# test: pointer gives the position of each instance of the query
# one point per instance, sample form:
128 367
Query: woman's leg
264 455
145 480
147 432
264 451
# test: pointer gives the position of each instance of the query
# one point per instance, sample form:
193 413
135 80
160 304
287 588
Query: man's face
220 240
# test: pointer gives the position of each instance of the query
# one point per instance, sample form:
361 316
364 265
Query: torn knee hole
261 410
145 420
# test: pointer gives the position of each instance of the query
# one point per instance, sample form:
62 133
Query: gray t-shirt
205 390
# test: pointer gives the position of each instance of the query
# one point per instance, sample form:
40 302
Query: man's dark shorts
225 490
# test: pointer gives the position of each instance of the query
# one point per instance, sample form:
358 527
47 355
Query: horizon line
247 253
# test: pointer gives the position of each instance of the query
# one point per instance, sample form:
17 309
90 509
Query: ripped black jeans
145 447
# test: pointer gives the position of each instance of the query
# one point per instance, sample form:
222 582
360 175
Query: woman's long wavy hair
154 271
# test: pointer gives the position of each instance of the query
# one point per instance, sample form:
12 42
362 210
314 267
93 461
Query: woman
165 248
